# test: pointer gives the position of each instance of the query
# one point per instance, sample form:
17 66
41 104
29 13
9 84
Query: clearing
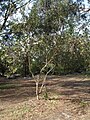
68 99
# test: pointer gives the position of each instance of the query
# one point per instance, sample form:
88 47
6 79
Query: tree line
51 37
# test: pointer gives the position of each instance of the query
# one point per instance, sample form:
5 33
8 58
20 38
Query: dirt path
69 99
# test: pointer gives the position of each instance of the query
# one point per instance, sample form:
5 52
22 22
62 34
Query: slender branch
45 80
9 12
6 16
86 10
47 63
23 5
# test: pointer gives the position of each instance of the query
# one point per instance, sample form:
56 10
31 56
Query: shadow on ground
64 87
71 89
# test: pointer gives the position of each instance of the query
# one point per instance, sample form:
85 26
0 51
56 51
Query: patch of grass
84 104
9 86
80 102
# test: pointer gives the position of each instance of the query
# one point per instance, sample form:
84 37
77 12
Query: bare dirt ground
68 99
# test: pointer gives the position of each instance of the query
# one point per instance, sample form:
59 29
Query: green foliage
49 32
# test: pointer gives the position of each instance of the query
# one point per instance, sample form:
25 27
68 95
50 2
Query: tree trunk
37 87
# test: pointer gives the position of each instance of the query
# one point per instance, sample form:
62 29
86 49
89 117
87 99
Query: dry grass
68 99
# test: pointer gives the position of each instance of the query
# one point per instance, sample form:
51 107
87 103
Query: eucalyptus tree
50 38
47 22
